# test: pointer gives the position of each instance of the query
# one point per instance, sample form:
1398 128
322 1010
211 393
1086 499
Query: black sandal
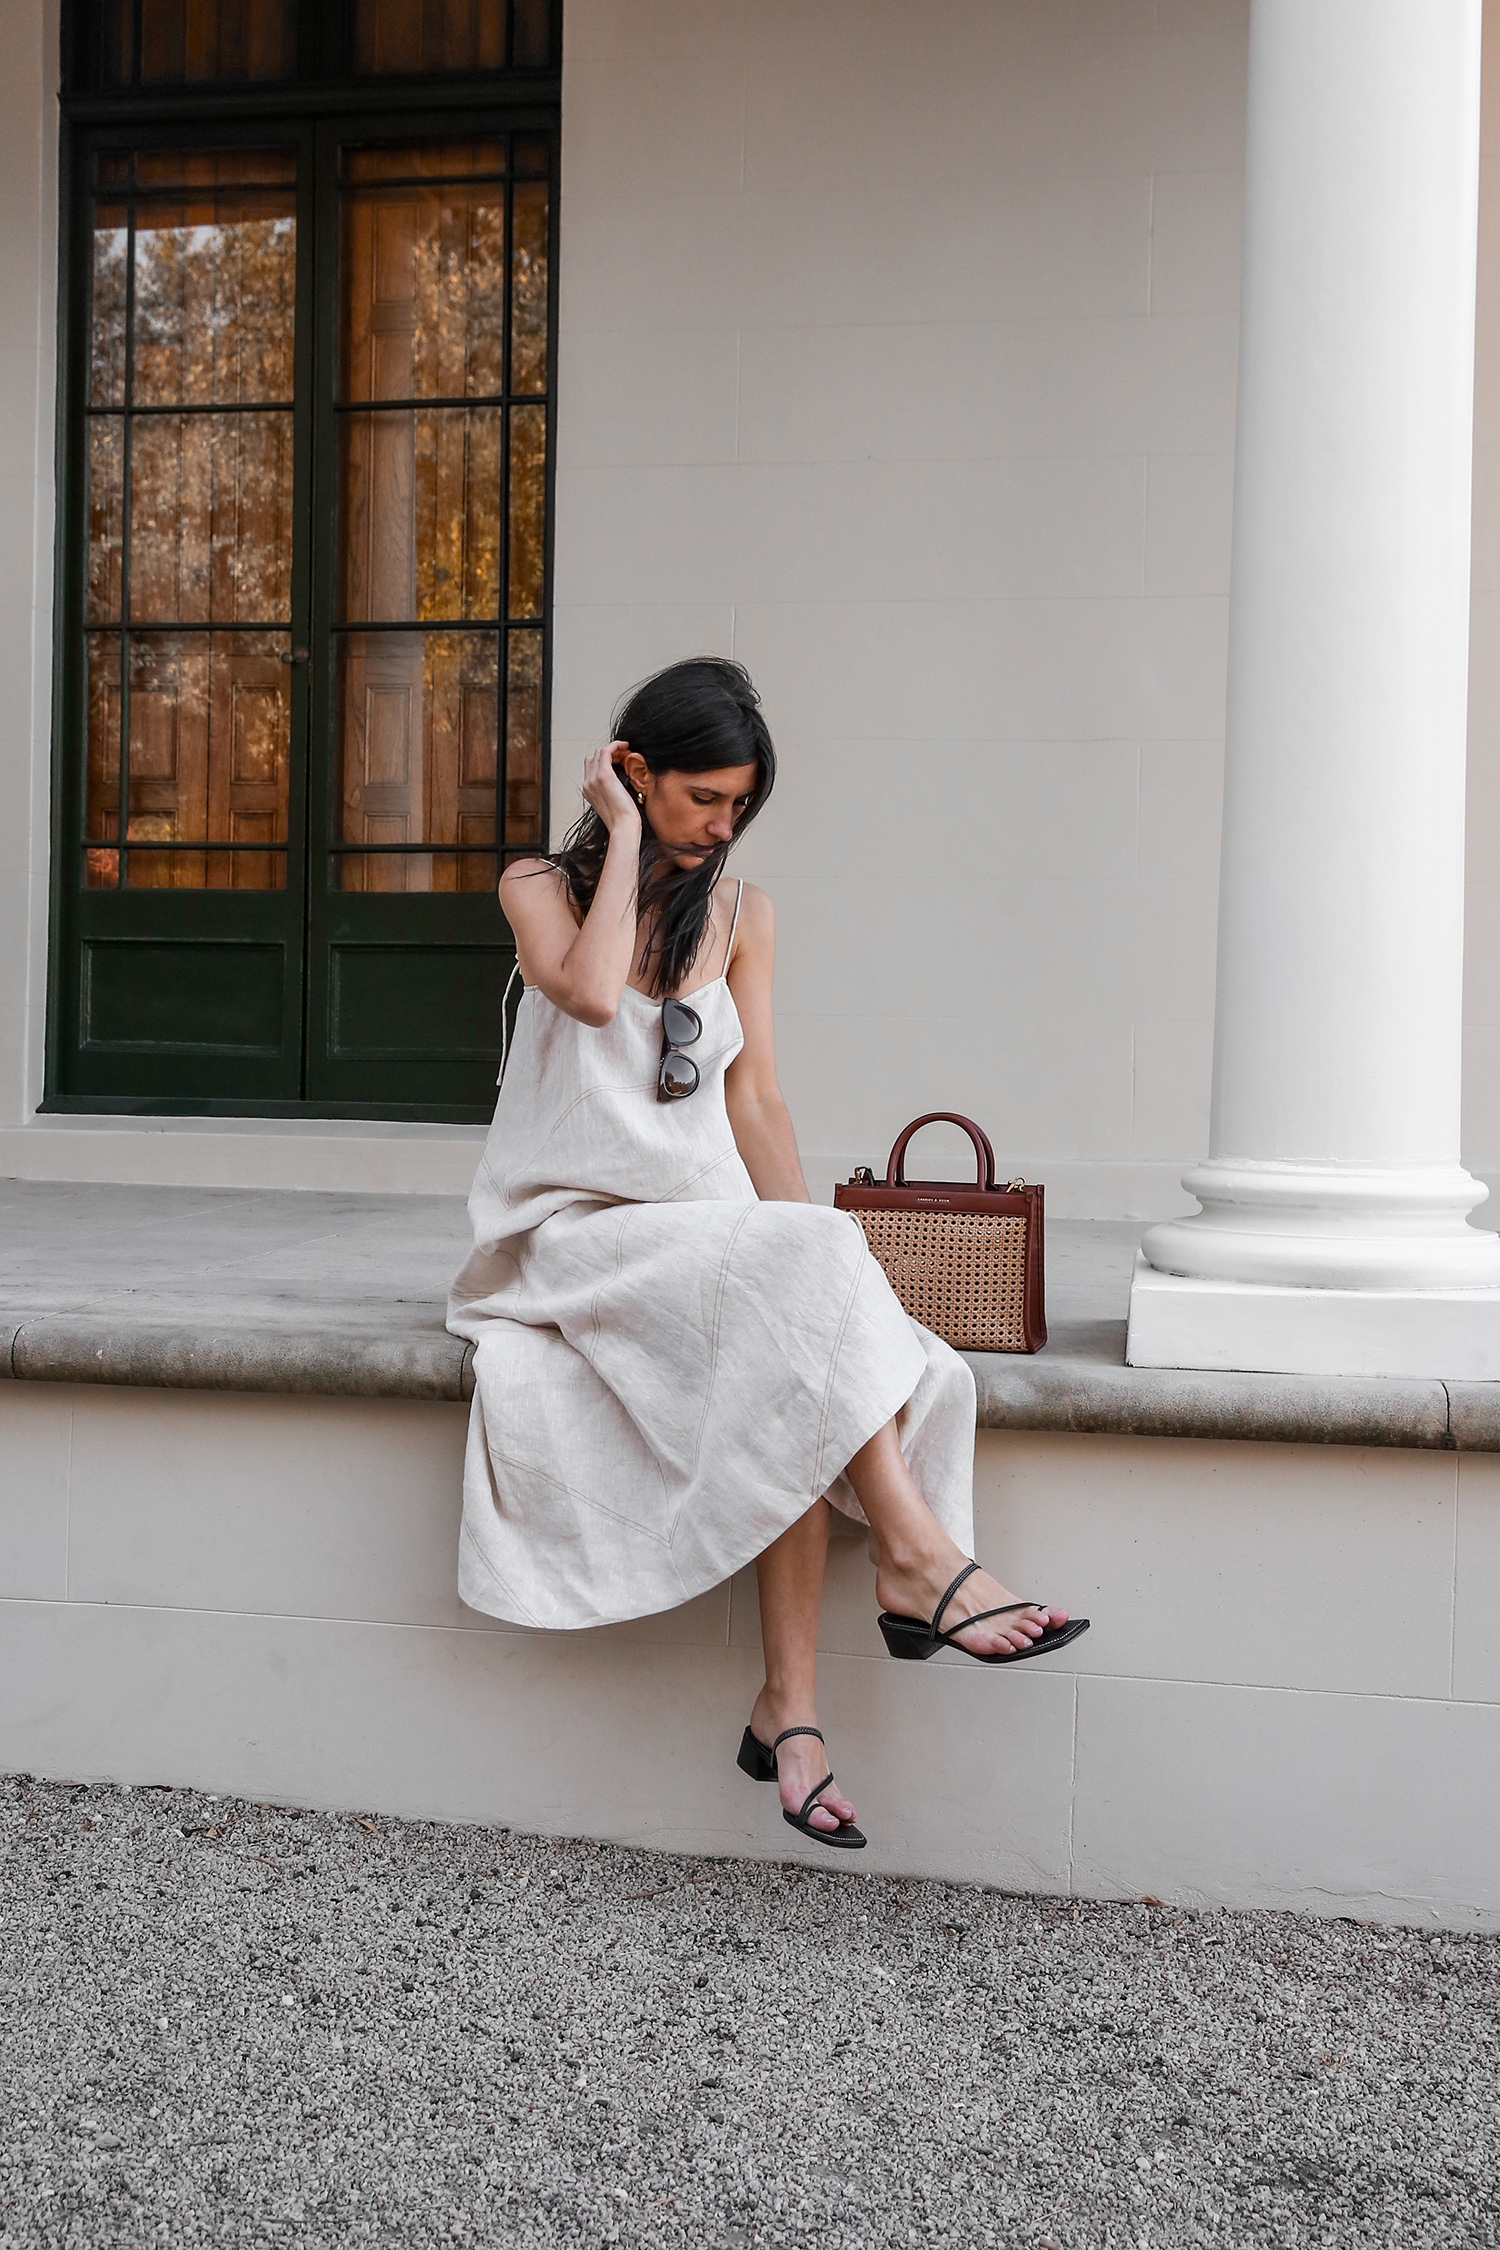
908 1637
759 1762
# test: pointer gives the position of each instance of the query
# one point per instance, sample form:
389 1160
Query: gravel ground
230 2023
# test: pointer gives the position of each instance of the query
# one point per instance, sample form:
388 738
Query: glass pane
421 35
528 465
423 293
531 37
523 740
416 871
106 495
214 294
209 735
208 871
117 44
211 517
424 160
528 291
529 156
107 308
420 532
417 728
216 167
225 42
102 809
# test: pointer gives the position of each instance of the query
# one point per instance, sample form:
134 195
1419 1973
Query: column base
1178 1321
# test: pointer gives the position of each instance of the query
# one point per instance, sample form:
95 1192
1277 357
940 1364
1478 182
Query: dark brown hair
695 717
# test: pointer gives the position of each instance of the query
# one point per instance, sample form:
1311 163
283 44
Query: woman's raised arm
584 968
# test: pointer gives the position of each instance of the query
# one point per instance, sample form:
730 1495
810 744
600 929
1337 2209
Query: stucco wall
898 357
28 361
184 1576
1482 879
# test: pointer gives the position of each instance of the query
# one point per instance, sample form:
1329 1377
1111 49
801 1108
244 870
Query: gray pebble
225 2023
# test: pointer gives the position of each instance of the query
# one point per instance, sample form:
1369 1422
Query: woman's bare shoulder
522 869
529 878
754 935
757 914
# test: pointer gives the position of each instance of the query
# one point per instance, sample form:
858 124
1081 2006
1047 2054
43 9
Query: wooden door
440 429
184 922
303 655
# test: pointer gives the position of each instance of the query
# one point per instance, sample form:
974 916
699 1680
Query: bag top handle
895 1171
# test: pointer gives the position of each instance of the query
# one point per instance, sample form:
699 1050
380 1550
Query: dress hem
471 1552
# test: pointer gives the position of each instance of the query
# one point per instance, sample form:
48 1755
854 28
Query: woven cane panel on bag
961 1273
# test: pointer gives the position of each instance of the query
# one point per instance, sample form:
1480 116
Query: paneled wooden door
307 716
432 661
179 946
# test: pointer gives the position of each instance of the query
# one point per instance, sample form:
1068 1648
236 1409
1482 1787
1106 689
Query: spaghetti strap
734 924
505 1018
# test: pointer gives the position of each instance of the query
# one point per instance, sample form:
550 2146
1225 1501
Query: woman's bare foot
800 1763
914 1587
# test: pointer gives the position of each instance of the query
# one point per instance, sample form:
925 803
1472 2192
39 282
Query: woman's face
691 814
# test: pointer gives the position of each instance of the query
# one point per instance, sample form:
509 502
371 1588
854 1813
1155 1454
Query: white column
1333 1235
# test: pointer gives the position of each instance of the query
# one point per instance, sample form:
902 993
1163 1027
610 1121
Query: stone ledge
297 1362
1078 1385
1099 1397
343 1296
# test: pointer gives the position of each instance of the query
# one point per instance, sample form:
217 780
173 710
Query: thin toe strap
786 1736
980 1615
967 1572
814 1794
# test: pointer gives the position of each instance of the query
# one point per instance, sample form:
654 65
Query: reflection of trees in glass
214 293
106 502
528 456
211 518
425 533
419 758
107 371
458 294
523 740
209 721
458 500
209 535
528 288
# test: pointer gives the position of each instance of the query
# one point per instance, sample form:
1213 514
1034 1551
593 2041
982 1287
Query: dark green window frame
390 1003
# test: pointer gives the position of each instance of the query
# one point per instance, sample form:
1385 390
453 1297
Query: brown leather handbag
964 1261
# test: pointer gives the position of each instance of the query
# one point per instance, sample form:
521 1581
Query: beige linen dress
667 1371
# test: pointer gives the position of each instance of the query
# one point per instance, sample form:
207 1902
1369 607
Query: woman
681 1363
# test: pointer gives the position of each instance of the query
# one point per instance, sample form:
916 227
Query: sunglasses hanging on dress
678 1075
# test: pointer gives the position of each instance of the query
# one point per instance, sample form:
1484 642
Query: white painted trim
370 1157
1181 1321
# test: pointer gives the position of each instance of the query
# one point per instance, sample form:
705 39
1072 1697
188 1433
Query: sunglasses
678 1075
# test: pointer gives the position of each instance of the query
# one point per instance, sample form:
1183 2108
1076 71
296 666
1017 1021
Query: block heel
907 1637
755 1759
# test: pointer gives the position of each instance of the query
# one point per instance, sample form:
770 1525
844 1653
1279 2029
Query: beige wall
28 358
185 1575
1482 882
898 357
